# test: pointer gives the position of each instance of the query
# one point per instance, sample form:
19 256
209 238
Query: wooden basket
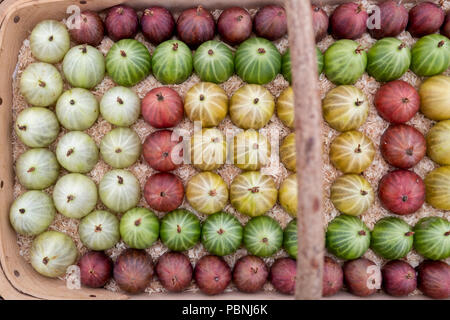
17 18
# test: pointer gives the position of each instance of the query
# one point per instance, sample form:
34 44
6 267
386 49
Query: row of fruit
221 234
133 271
193 26
256 60
175 272
77 109
128 61
196 25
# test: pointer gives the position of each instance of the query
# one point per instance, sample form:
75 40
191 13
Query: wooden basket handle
308 128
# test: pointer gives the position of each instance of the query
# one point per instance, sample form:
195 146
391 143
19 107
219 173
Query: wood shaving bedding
373 127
